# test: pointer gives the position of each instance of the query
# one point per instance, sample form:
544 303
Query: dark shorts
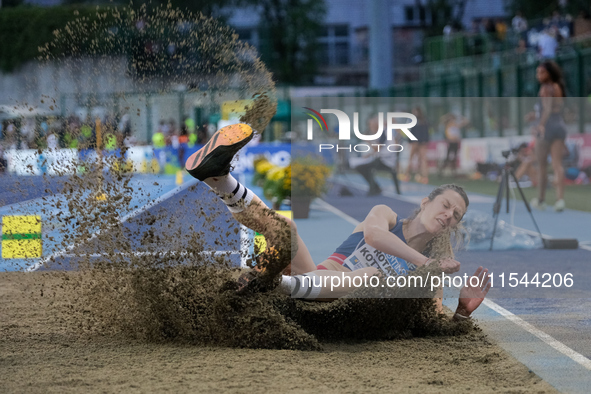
555 128
421 132
452 148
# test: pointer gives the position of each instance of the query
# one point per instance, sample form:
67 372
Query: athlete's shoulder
382 208
382 211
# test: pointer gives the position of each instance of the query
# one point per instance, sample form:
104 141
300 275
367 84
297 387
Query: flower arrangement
261 167
277 186
308 177
305 177
275 180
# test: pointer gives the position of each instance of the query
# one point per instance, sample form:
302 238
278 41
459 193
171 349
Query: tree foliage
289 30
23 30
206 7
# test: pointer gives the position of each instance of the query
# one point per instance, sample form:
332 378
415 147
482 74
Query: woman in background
453 135
550 132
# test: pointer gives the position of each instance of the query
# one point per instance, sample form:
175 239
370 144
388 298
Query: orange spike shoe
215 157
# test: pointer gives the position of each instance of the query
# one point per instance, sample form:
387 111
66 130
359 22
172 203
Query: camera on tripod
508 173
515 151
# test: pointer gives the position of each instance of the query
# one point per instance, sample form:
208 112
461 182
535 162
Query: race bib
368 256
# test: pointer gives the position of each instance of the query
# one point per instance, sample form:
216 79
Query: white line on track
557 345
125 218
562 348
327 207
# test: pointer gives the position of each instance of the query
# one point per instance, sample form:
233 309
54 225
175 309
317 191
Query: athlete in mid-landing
382 244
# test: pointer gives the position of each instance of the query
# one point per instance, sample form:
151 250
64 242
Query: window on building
333 44
415 14
409 13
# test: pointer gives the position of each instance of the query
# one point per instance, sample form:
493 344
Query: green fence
488 116
500 79
465 44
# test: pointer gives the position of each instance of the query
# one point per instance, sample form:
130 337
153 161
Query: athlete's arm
376 231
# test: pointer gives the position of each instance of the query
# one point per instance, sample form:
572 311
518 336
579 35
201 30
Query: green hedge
23 30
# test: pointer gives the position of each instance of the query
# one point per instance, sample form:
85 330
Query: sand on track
39 353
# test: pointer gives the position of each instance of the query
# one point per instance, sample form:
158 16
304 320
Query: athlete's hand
472 296
449 265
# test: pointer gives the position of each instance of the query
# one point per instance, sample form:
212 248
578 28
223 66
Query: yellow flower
308 177
276 173
263 167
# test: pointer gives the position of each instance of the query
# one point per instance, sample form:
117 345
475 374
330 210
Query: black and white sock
235 195
307 286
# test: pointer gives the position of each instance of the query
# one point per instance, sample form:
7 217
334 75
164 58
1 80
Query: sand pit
40 351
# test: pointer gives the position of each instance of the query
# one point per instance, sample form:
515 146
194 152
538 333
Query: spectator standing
28 134
10 137
501 29
125 126
172 138
547 44
202 136
190 124
183 143
164 128
87 133
551 132
453 135
556 20
159 139
519 24
52 141
448 29
377 160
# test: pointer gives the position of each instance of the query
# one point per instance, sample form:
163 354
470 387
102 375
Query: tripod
504 187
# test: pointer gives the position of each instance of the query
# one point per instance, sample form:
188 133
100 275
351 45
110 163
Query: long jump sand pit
45 348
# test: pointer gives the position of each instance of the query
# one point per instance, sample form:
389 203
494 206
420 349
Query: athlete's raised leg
211 164
260 218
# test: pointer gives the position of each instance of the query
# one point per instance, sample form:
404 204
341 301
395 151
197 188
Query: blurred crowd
53 132
541 38
168 134
71 132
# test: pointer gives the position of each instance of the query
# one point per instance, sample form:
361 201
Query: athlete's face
542 74
444 212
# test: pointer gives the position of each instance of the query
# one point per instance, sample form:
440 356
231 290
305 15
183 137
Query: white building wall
477 9
354 12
